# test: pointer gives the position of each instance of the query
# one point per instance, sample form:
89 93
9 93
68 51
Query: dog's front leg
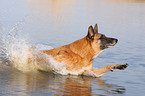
105 69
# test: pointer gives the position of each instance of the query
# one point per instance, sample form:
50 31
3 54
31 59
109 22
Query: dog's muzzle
108 42
111 42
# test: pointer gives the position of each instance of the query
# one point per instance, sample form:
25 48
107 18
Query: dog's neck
83 48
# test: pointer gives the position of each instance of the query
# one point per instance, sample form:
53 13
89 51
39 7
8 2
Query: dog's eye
102 36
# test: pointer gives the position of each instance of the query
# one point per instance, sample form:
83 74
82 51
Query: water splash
17 51
14 49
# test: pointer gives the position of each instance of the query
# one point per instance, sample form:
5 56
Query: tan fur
78 56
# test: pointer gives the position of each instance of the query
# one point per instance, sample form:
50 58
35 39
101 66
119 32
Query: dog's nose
116 40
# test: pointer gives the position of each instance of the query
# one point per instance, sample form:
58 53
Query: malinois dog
78 56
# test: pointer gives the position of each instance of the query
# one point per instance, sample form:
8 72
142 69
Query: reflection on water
51 84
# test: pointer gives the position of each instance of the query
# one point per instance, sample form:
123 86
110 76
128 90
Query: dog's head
99 41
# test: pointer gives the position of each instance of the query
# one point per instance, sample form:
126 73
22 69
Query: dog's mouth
109 43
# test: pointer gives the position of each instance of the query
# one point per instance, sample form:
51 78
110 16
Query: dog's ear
96 29
91 32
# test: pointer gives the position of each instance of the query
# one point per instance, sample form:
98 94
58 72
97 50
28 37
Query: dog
79 55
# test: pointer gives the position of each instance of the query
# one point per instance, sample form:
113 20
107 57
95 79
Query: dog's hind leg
105 69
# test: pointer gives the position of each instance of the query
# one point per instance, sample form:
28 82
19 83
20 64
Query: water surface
56 23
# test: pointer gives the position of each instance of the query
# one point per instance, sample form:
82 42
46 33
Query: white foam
43 47
47 63
21 55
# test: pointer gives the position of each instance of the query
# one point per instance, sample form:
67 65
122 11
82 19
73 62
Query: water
53 23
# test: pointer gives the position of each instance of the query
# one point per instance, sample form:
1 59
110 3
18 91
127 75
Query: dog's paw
121 66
